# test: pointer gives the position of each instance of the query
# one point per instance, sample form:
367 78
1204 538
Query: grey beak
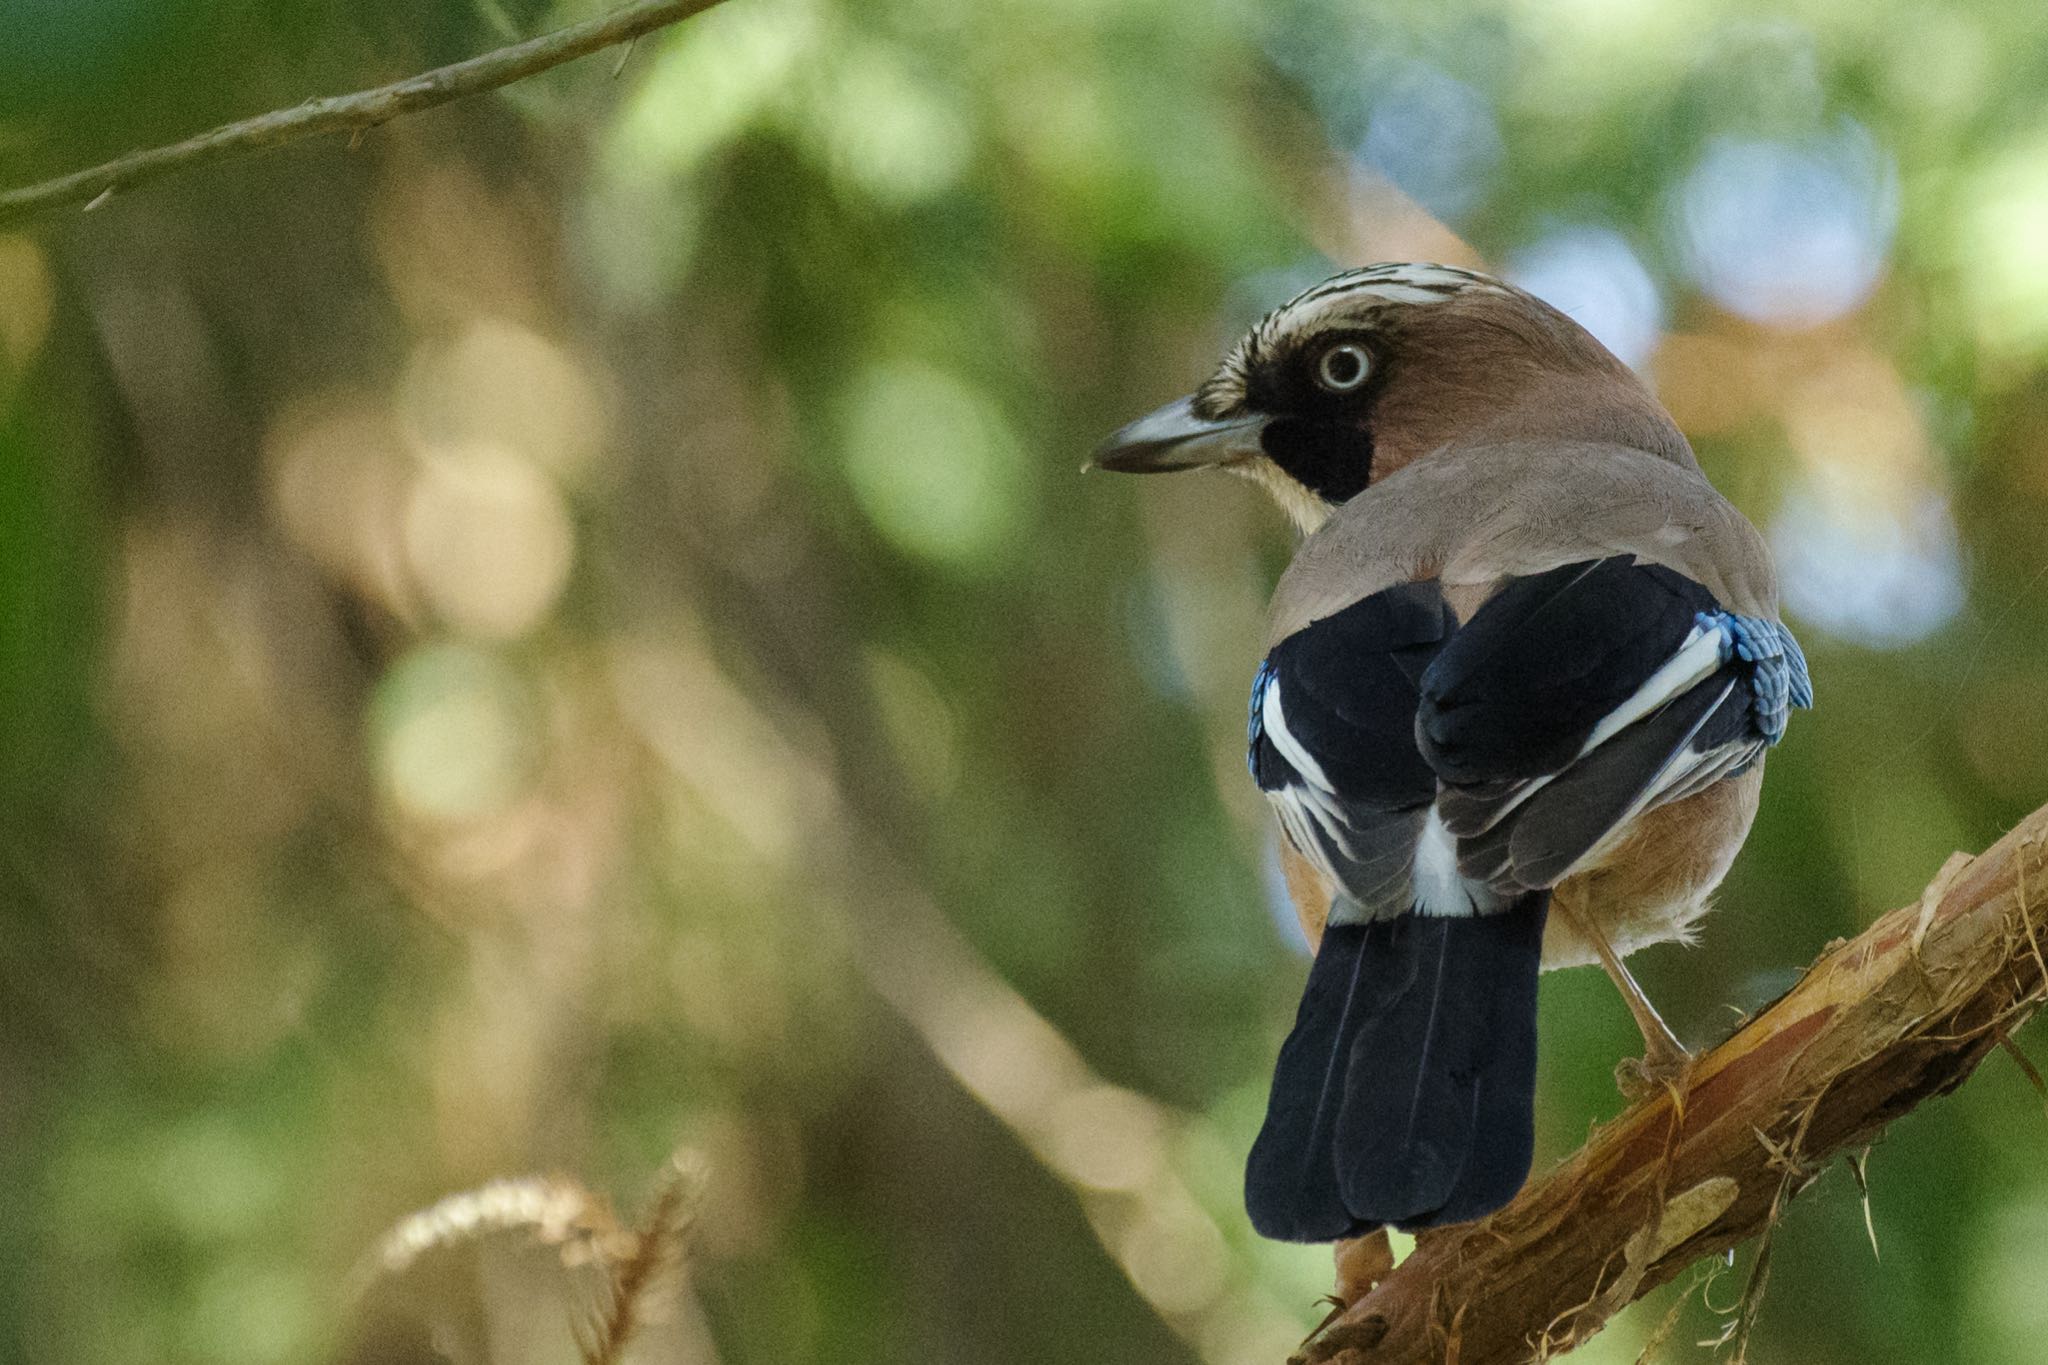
1173 438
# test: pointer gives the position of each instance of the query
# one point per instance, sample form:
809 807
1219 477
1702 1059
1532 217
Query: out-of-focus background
573 628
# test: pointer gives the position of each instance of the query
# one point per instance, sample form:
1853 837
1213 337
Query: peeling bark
1878 1024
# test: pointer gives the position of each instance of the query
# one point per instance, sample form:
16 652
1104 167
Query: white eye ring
1343 367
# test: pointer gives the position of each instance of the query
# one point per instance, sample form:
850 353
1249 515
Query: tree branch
354 114
1900 1014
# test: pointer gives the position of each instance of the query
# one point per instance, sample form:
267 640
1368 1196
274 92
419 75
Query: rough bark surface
1895 1016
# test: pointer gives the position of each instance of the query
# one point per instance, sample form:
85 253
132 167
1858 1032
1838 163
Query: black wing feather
1350 685
1519 688
1509 705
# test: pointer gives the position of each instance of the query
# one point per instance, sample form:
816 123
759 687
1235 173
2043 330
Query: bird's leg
1362 1262
1663 1055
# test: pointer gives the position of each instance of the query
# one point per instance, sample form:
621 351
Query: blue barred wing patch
1255 723
1773 662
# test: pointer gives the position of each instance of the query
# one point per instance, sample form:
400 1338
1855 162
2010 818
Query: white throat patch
1302 507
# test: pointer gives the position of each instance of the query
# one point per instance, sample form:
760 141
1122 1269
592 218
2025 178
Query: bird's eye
1343 367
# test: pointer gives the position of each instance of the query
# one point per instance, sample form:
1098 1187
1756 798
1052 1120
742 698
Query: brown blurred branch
354 114
1898 1015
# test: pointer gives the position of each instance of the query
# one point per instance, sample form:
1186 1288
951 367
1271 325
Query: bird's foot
1362 1262
1658 1070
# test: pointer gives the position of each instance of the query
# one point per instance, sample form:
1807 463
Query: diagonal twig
354 114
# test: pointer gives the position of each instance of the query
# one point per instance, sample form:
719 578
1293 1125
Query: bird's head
1351 380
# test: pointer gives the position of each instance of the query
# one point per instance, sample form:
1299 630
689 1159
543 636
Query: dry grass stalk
554 1210
661 1242
1877 1025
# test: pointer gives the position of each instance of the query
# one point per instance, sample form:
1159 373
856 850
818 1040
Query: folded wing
1444 777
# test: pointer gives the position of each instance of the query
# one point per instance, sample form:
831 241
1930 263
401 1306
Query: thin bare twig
354 114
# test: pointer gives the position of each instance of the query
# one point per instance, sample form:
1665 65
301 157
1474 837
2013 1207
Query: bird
1519 681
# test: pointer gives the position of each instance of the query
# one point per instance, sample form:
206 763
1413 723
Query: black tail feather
1406 1093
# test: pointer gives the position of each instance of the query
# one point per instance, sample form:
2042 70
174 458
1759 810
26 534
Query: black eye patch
1332 459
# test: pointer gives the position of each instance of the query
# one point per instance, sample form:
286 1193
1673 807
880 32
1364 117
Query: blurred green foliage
572 628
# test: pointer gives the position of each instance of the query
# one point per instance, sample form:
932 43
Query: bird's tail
1406 1093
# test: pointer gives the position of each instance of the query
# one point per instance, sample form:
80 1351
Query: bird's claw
1641 1077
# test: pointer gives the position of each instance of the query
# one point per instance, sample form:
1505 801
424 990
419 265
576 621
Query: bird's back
1473 516
1474 519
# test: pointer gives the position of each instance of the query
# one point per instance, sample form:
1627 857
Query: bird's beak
1175 438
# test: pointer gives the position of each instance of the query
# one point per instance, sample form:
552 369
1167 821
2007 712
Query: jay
1519 682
